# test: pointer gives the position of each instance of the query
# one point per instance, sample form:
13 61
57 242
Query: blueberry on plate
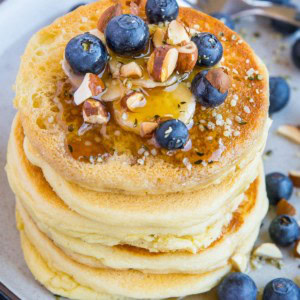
127 35
86 53
237 286
281 289
283 27
76 6
161 10
296 53
280 2
207 89
172 134
279 94
210 50
278 186
225 18
284 230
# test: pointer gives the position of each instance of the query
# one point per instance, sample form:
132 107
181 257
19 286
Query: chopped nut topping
91 86
285 208
187 57
133 100
114 67
108 14
295 177
268 251
291 132
177 33
162 63
132 70
218 79
158 37
114 91
147 129
239 262
297 249
94 112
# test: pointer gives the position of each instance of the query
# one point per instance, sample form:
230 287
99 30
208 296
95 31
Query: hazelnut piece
94 112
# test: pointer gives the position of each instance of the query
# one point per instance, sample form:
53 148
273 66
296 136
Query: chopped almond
177 34
158 37
162 63
187 57
147 129
107 15
133 100
91 86
132 70
291 132
114 91
285 208
297 249
218 79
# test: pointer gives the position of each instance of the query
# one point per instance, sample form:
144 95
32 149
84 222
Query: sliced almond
268 251
218 79
239 262
162 63
158 37
107 15
187 57
285 208
297 249
132 70
114 67
177 33
115 90
94 112
291 132
295 177
147 129
133 100
91 86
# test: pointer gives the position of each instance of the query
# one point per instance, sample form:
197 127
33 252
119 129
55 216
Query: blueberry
127 35
206 94
210 50
280 2
283 27
161 10
172 134
237 286
86 54
76 6
279 94
225 18
281 289
296 53
284 230
278 186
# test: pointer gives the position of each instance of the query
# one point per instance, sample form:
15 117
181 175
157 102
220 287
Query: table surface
18 21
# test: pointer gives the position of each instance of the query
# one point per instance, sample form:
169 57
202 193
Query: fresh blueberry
281 289
278 186
205 93
280 2
237 286
283 27
225 18
127 35
284 230
279 94
210 50
86 54
296 53
161 10
172 134
76 6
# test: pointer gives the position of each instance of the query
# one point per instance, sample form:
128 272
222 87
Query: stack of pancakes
119 230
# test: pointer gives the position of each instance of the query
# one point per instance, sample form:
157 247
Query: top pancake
41 71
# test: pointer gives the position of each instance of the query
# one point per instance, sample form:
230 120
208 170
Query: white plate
18 20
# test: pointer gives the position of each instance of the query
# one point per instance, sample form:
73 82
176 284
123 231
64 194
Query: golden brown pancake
246 109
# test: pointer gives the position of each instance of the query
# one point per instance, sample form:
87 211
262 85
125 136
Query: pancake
29 184
35 91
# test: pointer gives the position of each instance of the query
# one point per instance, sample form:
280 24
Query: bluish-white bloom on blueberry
127 35
296 53
85 53
281 289
225 18
205 92
161 10
210 50
172 134
278 186
237 286
284 230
